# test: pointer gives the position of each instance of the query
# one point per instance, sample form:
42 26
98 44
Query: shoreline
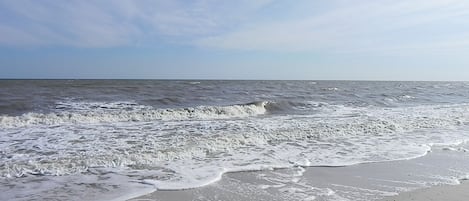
441 171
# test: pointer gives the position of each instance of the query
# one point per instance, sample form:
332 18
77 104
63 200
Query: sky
243 39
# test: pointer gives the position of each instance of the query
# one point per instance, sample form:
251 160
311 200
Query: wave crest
109 113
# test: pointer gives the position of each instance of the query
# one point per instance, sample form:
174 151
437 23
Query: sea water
116 139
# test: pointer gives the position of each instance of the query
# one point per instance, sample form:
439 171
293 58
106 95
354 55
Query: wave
291 106
109 112
92 112
14 107
193 153
331 89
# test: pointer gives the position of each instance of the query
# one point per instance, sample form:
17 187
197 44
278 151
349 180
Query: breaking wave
89 112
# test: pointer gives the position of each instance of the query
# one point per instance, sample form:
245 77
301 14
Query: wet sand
432 177
437 193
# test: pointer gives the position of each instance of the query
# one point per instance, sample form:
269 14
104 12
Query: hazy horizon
201 79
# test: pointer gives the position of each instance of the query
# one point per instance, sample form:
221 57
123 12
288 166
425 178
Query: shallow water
108 137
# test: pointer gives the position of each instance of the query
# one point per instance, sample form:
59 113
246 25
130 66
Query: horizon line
227 79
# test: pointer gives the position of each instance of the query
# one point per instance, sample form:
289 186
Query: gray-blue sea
116 139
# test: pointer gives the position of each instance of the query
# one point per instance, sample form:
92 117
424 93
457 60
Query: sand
432 177
437 193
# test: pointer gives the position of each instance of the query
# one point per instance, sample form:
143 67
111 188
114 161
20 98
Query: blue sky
244 39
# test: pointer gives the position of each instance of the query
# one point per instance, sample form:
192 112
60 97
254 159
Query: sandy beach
419 179
437 193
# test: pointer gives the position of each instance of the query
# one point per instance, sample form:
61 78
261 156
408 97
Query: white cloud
110 23
355 26
342 26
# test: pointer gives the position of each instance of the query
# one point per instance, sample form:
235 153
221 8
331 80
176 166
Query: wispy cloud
341 26
356 26
70 23
110 23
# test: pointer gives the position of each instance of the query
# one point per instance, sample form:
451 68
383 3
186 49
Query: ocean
118 139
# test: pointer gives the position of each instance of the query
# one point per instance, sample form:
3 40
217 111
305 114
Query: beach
447 193
420 179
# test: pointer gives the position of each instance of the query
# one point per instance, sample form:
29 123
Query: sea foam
193 147
125 112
